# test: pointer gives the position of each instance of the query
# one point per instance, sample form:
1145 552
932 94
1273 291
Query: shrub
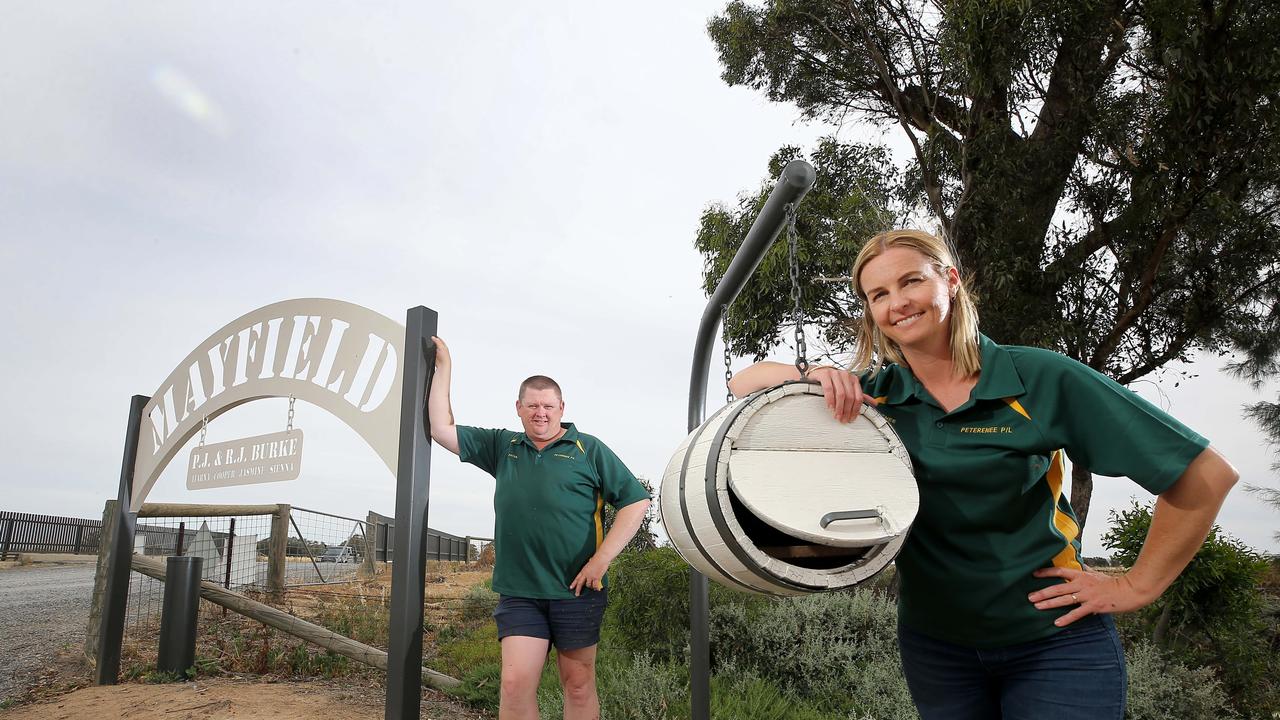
837 649
1214 614
744 696
630 688
649 603
1161 688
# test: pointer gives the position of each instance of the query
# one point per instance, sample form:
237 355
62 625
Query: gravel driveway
43 609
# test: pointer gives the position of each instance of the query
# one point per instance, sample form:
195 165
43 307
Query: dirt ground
220 698
63 689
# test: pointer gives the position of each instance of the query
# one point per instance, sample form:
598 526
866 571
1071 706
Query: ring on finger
1074 598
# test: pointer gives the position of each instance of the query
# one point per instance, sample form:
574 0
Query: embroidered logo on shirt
513 456
1001 429
562 455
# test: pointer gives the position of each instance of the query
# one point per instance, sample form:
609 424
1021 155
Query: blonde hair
873 348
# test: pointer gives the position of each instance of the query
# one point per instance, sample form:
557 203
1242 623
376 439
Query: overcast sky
534 173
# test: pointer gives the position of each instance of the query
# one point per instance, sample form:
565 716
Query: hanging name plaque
260 459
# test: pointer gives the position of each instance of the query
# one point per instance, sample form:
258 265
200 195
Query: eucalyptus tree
1108 171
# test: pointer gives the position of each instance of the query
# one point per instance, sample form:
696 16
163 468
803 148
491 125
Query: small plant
162 677
481 687
478 604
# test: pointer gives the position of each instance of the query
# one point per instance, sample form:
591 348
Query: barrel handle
879 513
850 515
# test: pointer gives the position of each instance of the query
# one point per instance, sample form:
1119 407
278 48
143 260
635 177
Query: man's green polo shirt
990 475
548 504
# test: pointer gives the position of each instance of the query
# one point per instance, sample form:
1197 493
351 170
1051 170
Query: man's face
540 412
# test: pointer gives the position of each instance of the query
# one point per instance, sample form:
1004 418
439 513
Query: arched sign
341 357
369 371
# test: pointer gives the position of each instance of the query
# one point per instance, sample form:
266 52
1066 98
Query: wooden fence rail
297 627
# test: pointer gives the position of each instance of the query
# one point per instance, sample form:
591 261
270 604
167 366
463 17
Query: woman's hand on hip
1087 593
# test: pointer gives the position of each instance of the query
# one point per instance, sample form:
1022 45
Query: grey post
177 652
120 556
796 180
413 480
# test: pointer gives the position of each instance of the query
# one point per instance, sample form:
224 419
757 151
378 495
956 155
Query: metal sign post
116 597
796 180
413 481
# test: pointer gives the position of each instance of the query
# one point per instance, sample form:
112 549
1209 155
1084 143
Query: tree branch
1125 320
932 185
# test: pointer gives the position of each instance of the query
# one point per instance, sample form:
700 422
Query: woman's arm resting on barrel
841 389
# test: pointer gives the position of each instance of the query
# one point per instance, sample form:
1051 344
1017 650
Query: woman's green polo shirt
548 504
990 475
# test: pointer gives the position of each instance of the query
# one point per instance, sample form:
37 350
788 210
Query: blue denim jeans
1077 674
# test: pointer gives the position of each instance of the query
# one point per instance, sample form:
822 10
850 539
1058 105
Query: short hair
873 348
539 382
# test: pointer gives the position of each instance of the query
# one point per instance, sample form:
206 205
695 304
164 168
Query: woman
998 618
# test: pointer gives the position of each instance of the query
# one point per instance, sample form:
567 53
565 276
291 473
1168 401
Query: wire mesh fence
262 551
324 548
232 552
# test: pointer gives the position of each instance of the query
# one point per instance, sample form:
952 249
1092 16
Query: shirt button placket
937 438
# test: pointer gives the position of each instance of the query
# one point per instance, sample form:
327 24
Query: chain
728 359
204 429
289 425
802 362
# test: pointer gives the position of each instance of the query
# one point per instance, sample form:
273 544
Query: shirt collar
998 379
570 436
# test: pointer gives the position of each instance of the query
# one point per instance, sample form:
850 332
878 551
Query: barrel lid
802 472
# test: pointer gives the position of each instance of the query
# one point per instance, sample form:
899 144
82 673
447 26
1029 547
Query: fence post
231 539
278 552
370 543
79 537
8 538
93 631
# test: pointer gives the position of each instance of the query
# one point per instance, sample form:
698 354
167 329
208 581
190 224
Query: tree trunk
1162 626
1081 493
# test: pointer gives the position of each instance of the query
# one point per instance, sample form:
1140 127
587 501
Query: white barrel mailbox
773 495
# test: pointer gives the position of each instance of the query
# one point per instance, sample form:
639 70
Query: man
552 554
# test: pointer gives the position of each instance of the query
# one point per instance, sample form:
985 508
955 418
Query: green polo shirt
990 475
548 504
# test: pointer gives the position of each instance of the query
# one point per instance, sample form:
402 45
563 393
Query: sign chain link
204 428
289 425
802 361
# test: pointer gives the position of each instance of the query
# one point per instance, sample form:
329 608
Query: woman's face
909 299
